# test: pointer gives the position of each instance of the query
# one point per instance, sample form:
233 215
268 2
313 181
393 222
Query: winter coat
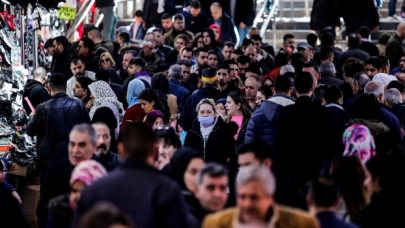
149 195
140 34
220 145
109 160
61 64
52 123
244 12
195 24
189 114
357 13
369 47
394 50
351 53
154 64
263 124
36 93
323 15
178 90
11 211
168 38
399 111
60 213
167 54
242 131
328 219
230 88
331 80
227 28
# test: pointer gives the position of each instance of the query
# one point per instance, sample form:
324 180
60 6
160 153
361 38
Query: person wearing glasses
106 61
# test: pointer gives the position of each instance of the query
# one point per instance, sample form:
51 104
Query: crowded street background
188 117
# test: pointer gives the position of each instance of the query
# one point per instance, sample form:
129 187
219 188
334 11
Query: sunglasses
105 60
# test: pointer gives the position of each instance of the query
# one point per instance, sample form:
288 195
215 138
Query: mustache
102 146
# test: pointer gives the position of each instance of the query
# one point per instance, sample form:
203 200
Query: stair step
300 12
301 4
302 34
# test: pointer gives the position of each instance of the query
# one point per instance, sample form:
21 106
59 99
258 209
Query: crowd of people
188 122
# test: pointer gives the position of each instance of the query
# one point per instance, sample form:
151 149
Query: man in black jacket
167 53
196 20
53 120
85 50
154 63
224 21
298 159
327 71
162 194
104 155
35 90
352 52
243 14
360 80
366 45
61 57
223 81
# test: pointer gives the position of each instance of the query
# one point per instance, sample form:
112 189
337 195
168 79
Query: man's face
178 25
202 58
132 70
247 159
216 12
233 71
223 77
103 138
81 50
289 43
158 38
212 193
251 88
253 31
194 12
306 52
251 53
148 49
187 55
253 202
80 147
242 68
371 70
125 60
56 48
235 57
186 73
149 36
167 24
227 52
79 92
315 75
77 69
138 19
402 64
258 45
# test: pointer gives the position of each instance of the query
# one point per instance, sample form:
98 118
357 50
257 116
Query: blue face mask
206 121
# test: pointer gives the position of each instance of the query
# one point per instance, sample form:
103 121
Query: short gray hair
146 42
375 88
88 129
327 69
176 71
212 169
362 79
393 96
39 73
258 173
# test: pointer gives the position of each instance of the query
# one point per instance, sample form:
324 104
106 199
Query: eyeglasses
105 60
164 128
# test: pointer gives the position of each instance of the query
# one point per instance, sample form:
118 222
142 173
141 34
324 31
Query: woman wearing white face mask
211 136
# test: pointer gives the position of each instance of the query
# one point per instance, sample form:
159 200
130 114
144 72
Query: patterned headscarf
102 92
87 172
358 141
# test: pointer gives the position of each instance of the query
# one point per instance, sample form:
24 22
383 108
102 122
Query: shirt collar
334 105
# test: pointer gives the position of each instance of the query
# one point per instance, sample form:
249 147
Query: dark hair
195 4
125 36
150 95
188 50
319 93
384 60
58 82
132 52
212 45
212 169
349 176
354 40
298 65
313 66
355 68
84 83
296 55
324 192
75 59
196 38
256 37
184 62
214 52
49 43
261 150
326 52
166 16
230 61
332 94
197 51
246 42
364 32
243 59
178 16
374 61
266 91
253 69
282 84
139 62
311 39
229 44
104 215
238 52
138 13
397 85
366 107
169 136
62 40
103 75
280 60
96 32
225 67
303 82
288 36
87 42
240 98
327 39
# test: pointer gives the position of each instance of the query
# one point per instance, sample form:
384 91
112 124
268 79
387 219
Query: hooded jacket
195 24
227 28
263 124
36 93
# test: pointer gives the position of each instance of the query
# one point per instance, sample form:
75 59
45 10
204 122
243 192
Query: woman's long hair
239 98
161 86
350 175
150 95
212 45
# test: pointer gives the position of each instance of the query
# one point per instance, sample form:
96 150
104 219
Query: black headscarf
179 163
160 82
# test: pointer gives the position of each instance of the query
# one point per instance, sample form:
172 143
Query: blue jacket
178 90
140 34
328 220
263 124
393 124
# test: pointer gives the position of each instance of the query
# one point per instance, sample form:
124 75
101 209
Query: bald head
251 52
40 75
401 30
95 35
216 11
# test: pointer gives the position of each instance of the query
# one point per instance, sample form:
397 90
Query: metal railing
81 14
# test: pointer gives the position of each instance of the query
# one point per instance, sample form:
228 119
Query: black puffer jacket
52 123
324 15
60 212
36 92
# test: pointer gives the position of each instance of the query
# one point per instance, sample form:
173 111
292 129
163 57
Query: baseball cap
209 75
304 45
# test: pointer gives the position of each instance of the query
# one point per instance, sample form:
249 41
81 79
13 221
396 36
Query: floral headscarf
102 92
358 141
87 172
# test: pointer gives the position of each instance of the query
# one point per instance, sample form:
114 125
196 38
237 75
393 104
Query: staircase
292 16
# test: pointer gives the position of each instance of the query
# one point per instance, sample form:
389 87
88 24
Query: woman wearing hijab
217 31
134 111
359 142
62 208
160 84
105 108
155 119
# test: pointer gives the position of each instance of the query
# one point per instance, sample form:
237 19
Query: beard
102 147
222 83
